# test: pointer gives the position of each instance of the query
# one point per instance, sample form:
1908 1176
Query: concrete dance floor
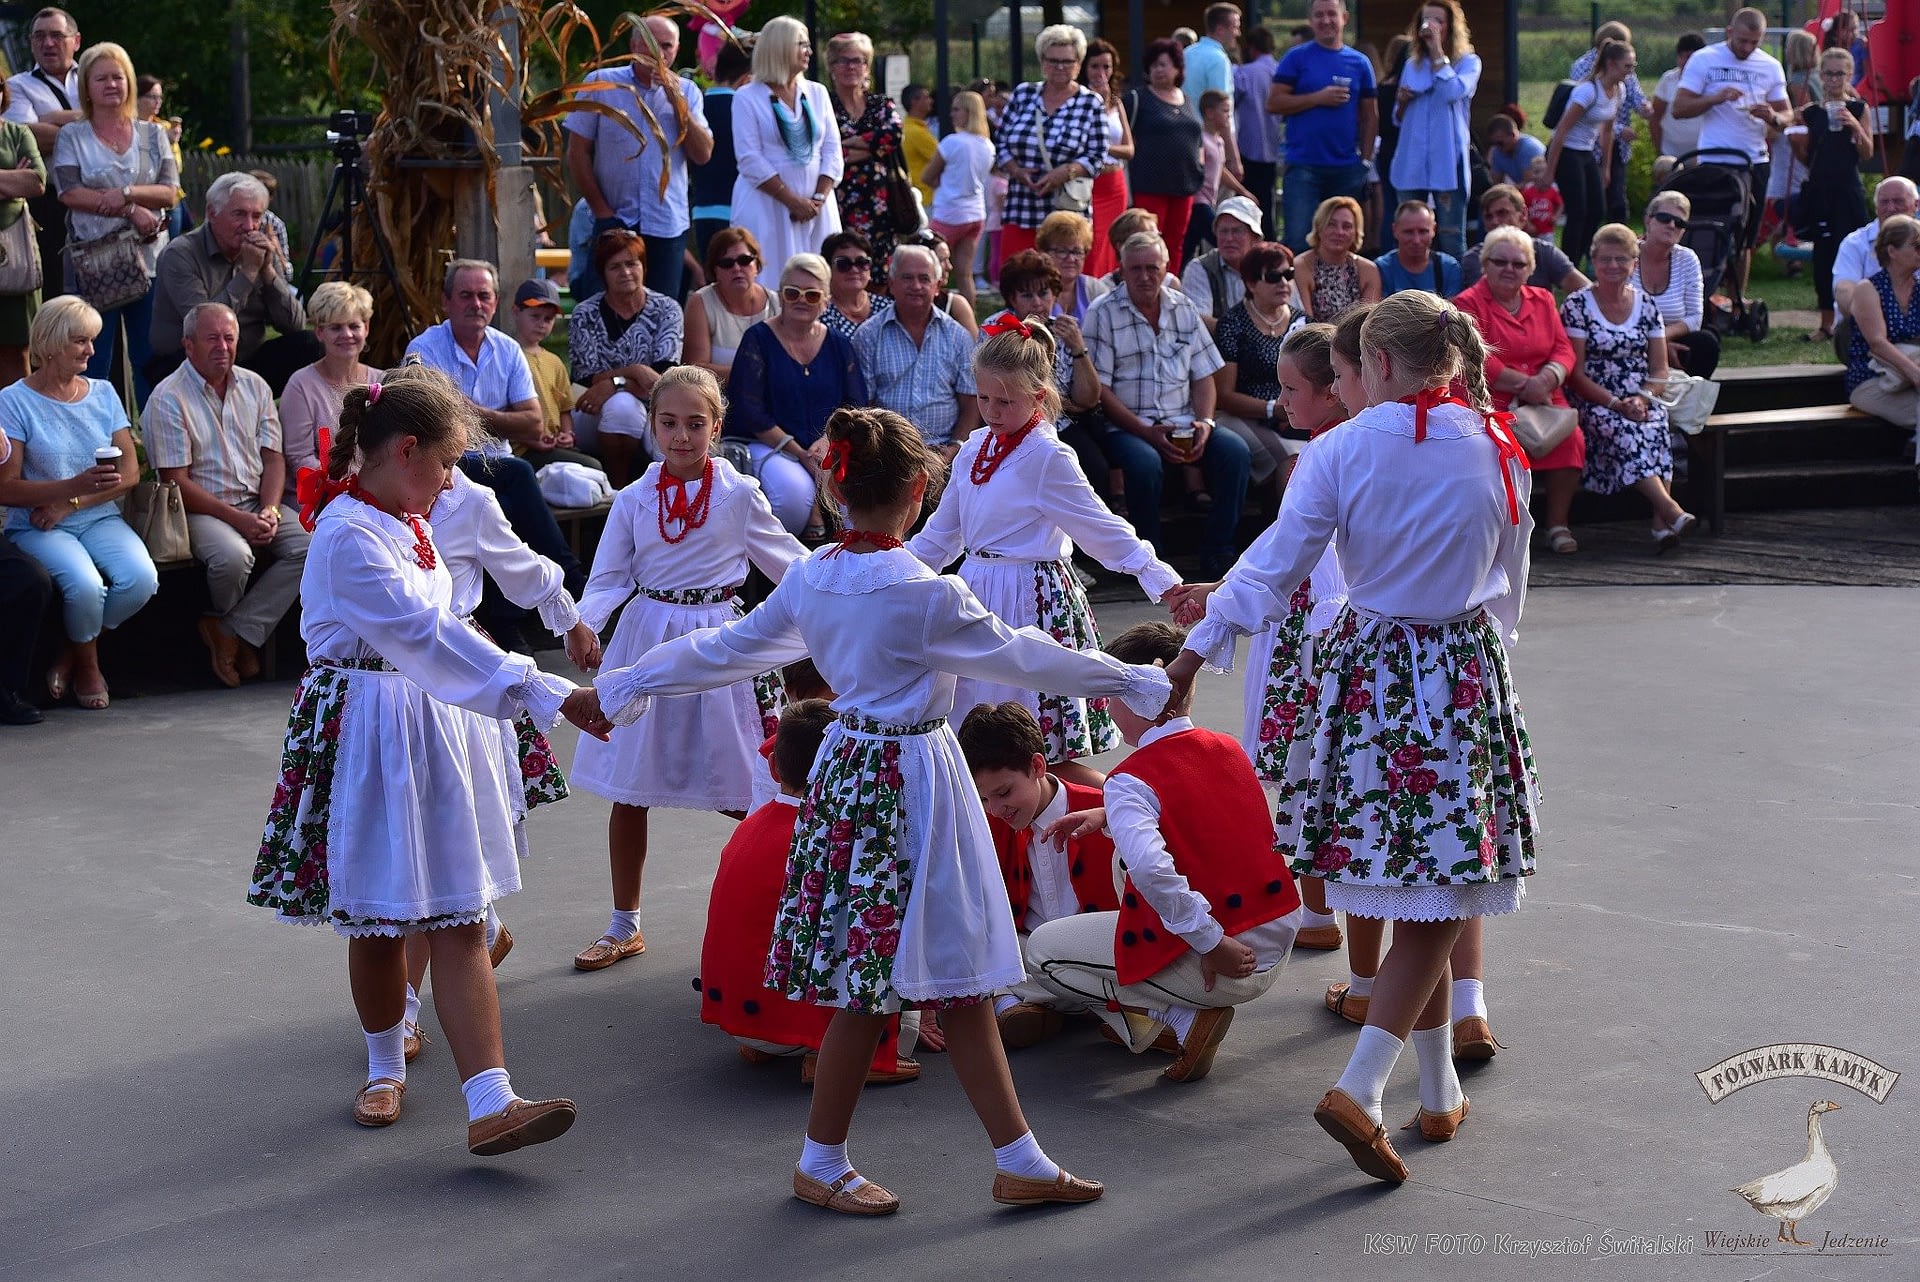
1729 864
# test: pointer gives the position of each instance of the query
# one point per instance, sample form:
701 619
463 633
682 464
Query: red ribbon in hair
314 487
1499 431
1008 324
839 454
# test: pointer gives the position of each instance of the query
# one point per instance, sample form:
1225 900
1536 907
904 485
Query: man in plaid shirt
1156 363
918 361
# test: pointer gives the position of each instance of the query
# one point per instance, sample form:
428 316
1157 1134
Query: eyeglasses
794 294
1505 264
1061 62
742 260
1835 72
1066 251
1277 275
845 264
850 60
1671 220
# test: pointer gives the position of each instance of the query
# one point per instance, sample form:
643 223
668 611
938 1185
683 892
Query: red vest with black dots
1090 869
1214 820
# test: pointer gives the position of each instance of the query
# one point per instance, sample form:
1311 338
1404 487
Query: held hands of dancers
1229 957
1187 602
582 708
583 646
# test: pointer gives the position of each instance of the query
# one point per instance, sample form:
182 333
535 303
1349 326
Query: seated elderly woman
618 344
71 456
1886 314
1619 356
340 314
1669 273
789 375
1502 205
1248 385
851 302
1066 238
733 302
1030 283
1528 361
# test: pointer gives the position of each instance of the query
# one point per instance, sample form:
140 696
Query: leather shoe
1473 1039
868 1199
15 711
223 648
1342 1117
246 661
1320 938
904 1070
1167 1043
414 1042
502 945
378 1102
606 950
1027 1024
1018 1190
754 1055
1438 1128
1202 1040
1346 1005
523 1122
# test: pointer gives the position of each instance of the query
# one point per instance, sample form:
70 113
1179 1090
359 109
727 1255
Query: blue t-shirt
1325 135
57 441
1513 169
1394 277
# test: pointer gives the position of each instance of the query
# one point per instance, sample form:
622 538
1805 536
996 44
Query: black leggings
1586 197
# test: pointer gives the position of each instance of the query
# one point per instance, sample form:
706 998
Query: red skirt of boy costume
740 919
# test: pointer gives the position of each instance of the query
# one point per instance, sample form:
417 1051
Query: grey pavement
1729 862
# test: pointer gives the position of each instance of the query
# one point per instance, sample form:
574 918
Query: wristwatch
1209 422
126 194
1270 408
619 382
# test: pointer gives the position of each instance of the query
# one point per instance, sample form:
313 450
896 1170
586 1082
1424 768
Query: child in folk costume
1280 673
1208 910
892 895
741 914
1419 805
474 541
680 537
1017 505
1050 869
396 803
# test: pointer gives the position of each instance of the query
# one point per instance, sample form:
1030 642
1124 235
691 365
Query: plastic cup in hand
1836 117
1344 84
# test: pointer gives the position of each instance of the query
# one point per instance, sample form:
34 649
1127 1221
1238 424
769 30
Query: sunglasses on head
845 264
1671 220
794 294
1274 276
741 260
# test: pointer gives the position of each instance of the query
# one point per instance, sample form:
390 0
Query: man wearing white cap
1212 280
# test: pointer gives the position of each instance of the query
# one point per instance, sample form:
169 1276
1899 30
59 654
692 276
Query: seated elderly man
1212 280
1855 261
232 259
491 371
1156 362
918 361
211 428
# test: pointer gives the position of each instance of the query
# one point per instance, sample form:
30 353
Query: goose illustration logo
1792 1195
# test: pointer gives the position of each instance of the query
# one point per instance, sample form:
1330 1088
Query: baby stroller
1719 185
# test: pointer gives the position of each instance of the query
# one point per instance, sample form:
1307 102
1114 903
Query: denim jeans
1305 186
667 265
100 567
1226 465
138 318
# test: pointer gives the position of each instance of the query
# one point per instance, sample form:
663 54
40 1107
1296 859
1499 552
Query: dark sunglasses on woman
844 264
1671 220
741 260
1276 275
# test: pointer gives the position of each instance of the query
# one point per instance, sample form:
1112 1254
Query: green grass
1784 346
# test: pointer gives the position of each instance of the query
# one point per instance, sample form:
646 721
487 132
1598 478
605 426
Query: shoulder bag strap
58 90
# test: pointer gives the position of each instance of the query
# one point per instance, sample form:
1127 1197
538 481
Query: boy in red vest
1208 912
1049 875
741 913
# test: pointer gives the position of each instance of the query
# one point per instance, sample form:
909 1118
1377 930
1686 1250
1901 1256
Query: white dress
1018 531
761 153
395 808
894 892
700 752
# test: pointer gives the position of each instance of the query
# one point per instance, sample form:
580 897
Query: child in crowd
394 812
1221 173
1049 873
1281 678
884 908
677 545
536 306
742 909
1545 204
1018 504
1420 799
1208 911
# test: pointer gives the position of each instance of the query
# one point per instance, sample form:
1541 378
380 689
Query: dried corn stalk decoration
434 64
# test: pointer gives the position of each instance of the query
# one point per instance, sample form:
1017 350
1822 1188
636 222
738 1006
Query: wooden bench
582 525
1708 450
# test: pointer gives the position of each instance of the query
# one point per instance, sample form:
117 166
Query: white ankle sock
1359 985
1178 1018
493 926
1469 998
412 1017
487 1091
1372 1064
1318 919
626 925
1004 1003
1439 1083
387 1053
827 1163
1024 1158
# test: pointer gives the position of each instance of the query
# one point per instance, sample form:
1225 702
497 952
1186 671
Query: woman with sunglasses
718 314
1669 273
851 302
1832 202
788 377
1247 387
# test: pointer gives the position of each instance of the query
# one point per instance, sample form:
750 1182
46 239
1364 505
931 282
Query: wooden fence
302 187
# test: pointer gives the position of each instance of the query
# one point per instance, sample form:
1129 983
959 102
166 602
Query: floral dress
1335 289
863 189
1619 450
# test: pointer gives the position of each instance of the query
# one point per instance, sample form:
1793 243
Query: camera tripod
345 195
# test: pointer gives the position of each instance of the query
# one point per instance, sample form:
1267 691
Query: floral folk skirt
1418 774
1284 688
1042 594
893 895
